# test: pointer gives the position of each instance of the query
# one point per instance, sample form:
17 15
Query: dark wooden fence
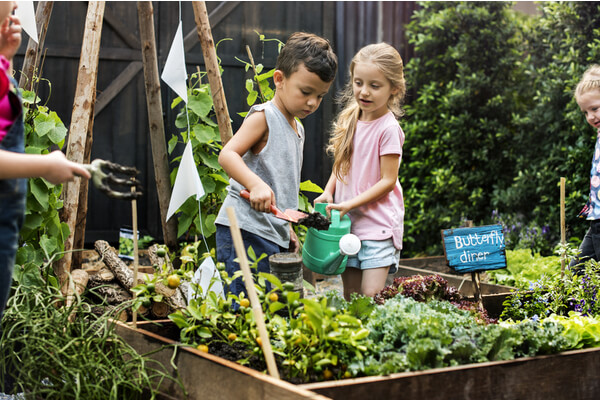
121 123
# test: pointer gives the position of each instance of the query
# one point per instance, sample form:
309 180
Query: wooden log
81 121
176 297
112 293
75 285
103 275
155 120
160 310
212 70
110 257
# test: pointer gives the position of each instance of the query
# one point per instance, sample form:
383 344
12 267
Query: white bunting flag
26 14
187 182
174 74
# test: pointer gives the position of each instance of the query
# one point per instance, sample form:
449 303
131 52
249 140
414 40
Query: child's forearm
389 165
330 186
374 193
18 165
54 167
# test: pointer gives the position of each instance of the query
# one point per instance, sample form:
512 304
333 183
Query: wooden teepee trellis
82 119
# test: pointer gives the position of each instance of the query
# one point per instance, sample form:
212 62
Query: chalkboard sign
475 249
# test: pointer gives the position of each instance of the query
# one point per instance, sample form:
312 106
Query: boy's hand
261 197
10 36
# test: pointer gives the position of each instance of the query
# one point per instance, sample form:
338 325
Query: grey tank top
279 164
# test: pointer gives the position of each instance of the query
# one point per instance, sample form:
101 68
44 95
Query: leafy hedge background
491 124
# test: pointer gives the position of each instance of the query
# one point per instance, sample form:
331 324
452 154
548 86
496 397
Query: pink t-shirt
7 115
384 218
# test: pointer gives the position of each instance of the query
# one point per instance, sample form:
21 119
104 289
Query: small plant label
475 249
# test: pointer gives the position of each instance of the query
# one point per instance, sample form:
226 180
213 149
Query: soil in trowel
316 220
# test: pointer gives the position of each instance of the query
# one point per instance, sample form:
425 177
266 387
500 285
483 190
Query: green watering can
326 252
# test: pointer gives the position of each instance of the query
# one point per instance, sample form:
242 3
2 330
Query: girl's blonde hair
589 81
389 62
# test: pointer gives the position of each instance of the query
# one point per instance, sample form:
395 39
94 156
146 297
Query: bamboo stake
254 301
135 251
262 95
83 105
563 235
212 70
155 120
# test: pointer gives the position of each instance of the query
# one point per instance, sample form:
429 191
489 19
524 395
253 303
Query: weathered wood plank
206 376
81 123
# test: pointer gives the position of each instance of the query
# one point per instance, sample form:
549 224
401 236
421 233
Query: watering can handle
335 217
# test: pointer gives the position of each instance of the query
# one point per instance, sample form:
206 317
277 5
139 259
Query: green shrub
467 84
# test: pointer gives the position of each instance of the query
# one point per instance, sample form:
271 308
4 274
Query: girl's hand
10 37
59 169
324 198
343 208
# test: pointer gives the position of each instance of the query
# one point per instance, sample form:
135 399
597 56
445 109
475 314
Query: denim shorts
376 254
226 254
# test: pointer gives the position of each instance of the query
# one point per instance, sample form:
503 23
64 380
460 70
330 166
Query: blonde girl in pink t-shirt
366 144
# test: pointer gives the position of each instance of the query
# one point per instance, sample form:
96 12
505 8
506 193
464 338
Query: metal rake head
115 180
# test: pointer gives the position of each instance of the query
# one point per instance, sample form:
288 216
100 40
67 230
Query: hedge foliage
491 123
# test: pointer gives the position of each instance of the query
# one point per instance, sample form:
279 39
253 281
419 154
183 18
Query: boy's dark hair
314 51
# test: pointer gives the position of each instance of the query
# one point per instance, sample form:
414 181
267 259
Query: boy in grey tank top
265 154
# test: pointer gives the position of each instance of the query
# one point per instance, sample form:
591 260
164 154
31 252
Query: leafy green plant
408 335
553 137
311 338
43 232
467 81
557 294
205 138
57 352
524 268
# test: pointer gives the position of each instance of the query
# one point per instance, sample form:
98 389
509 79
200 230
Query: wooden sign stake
476 280
563 238
254 301
135 251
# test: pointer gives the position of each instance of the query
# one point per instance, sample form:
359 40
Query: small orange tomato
203 348
244 303
232 336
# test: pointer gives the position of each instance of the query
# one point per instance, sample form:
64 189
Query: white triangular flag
26 14
175 74
187 182
203 277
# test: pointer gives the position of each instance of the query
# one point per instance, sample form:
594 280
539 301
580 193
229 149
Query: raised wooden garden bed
572 375
204 375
